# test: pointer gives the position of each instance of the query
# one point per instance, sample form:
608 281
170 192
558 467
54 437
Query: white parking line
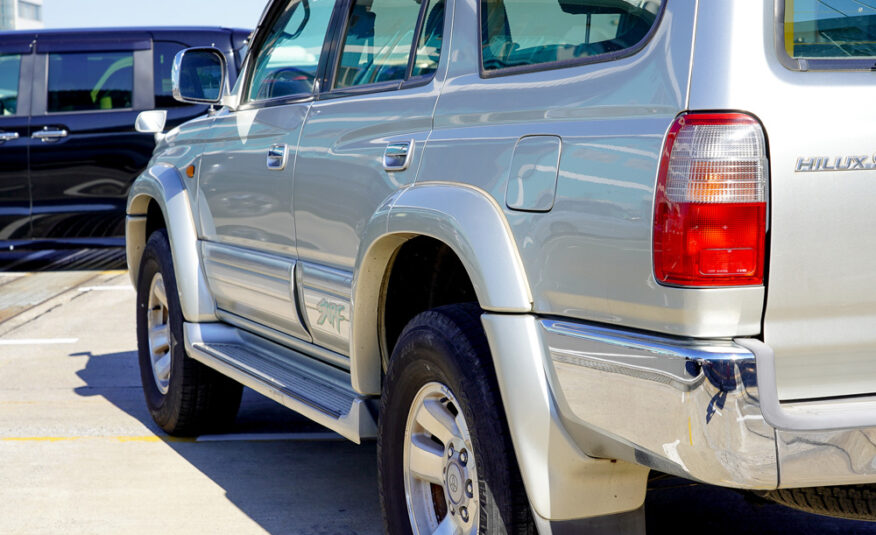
38 341
124 288
264 437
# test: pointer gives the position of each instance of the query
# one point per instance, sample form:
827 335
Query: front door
84 151
15 76
361 143
245 181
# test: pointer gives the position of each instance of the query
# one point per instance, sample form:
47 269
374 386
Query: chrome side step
303 384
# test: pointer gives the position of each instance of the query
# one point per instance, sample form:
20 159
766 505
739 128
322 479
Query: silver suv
536 248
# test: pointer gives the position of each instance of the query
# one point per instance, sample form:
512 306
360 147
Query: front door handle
8 136
397 156
278 155
48 136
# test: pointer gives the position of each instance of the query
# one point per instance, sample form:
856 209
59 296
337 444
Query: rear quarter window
527 33
827 34
837 29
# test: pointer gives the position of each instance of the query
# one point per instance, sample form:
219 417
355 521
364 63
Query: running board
301 383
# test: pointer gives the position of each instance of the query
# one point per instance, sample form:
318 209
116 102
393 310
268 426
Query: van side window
835 30
82 81
163 53
288 58
378 42
530 32
10 67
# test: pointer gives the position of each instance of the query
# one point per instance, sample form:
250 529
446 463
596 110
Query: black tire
447 345
198 399
857 502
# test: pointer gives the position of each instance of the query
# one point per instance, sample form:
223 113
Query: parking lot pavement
80 454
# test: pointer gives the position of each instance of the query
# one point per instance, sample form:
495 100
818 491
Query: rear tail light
710 208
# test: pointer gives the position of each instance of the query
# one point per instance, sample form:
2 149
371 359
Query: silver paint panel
590 256
242 201
326 295
255 286
820 316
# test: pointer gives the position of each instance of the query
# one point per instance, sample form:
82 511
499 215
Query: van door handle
8 136
397 156
48 136
277 157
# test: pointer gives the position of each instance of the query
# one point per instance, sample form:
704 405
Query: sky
114 13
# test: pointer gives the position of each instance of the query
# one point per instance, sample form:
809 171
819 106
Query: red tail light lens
710 213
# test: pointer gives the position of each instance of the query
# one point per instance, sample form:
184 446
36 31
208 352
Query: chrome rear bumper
705 410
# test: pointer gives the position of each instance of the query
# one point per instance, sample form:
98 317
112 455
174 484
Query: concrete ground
79 453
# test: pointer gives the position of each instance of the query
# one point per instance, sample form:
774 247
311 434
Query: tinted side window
90 81
836 30
529 32
378 42
163 53
431 38
289 56
10 66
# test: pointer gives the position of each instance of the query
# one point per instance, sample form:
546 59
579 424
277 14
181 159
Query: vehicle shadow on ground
329 486
100 259
681 507
321 487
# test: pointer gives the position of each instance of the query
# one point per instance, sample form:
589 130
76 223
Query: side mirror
199 76
151 121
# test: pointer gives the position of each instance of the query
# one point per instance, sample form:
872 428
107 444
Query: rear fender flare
464 218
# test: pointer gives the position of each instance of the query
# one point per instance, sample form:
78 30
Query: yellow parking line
143 438
114 272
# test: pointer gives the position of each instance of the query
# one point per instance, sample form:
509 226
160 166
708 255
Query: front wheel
184 397
445 458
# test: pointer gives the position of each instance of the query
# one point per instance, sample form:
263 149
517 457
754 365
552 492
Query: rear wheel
856 502
446 463
184 397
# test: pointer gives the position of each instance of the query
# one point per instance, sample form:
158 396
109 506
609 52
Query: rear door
84 151
362 141
15 80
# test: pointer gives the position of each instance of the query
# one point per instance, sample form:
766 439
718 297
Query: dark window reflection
90 81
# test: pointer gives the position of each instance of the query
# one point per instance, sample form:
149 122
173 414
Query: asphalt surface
79 453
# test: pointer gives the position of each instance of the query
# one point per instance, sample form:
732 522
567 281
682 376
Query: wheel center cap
455 483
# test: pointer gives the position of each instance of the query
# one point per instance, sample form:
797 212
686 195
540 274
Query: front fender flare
464 218
163 185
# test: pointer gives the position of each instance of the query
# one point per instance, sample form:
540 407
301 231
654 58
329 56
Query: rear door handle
278 155
48 136
397 156
8 136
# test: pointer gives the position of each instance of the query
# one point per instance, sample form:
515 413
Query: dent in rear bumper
685 407
703 409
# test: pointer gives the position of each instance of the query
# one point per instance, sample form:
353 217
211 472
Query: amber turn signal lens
190 171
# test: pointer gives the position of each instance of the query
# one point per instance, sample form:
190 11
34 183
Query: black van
68 102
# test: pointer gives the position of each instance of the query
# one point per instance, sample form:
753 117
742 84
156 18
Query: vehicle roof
166 32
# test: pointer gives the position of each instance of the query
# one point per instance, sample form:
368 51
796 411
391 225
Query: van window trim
812 64
142 91
562 64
